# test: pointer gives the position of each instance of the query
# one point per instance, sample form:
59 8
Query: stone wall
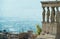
43 27
50 28
54 28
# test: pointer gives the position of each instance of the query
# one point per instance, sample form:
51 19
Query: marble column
48 14
43 14
53 14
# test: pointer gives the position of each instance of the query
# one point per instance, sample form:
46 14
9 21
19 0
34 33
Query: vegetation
38 28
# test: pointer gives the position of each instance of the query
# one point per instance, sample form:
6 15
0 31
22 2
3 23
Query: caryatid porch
52 25
52 10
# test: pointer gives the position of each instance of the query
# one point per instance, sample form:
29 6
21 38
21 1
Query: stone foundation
50 28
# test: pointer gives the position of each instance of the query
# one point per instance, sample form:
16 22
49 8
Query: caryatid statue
57 9
57 17
48 14
43 14
53 15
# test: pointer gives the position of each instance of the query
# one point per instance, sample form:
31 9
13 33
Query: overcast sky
21 8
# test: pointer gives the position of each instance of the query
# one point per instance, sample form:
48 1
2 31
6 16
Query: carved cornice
50 4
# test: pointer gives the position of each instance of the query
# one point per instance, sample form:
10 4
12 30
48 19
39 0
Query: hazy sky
21 8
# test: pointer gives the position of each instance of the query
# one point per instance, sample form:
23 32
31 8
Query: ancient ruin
51 27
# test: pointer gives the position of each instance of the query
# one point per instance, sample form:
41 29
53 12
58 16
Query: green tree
38 29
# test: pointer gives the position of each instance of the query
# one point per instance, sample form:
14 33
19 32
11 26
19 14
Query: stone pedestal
58 26
50 27
44 27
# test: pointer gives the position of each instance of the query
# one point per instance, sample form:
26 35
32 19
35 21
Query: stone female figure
43 14
48 14
53 15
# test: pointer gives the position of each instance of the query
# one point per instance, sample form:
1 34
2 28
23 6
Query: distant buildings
3 34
